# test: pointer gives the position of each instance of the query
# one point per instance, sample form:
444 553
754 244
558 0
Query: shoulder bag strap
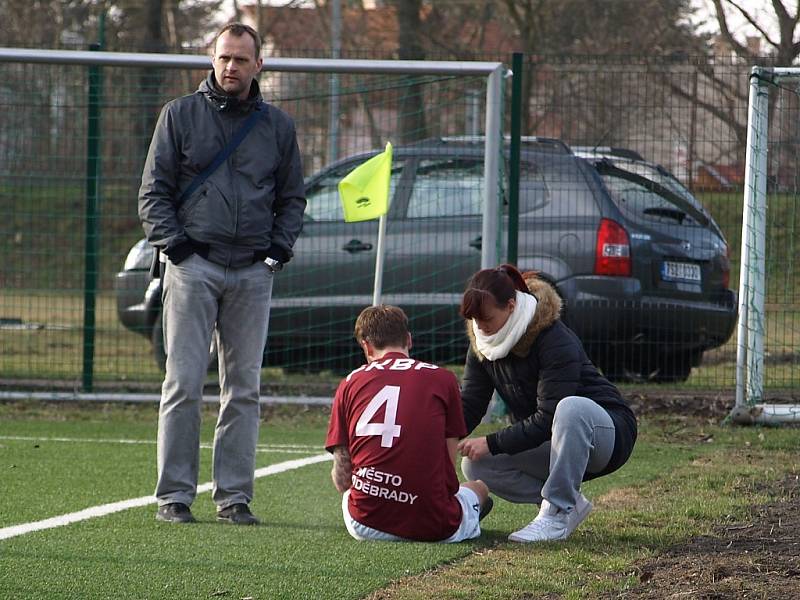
223 154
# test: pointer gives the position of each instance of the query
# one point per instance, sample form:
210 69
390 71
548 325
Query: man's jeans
200 298
582 441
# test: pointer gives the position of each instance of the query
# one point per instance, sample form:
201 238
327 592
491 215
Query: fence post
90 244
514 166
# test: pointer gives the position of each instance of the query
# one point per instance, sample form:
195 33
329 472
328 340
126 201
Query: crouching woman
570 424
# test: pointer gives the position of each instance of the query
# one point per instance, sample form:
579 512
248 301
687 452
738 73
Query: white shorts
469 528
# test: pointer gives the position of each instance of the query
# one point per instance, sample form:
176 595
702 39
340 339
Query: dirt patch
704 404
759 558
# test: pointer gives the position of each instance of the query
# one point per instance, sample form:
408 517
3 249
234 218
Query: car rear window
641 203
669 182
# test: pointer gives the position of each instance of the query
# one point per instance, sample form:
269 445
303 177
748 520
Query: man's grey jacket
251 207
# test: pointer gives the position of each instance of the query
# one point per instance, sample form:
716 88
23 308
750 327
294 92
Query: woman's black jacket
546 365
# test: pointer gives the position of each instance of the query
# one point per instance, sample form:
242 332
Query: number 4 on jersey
388 430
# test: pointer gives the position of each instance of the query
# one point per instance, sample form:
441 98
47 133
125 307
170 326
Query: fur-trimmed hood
548 311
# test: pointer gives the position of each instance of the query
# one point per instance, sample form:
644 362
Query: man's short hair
238 30
383 326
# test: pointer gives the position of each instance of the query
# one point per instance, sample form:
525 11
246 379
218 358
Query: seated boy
393 432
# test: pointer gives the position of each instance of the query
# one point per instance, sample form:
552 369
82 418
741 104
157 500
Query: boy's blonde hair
382 326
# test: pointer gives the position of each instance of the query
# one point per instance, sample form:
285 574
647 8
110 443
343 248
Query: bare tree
237 11
459 30
782 38
412 110
784 45
722 94
559 28
39 24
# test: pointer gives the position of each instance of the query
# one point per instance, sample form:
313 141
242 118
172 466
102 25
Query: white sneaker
552 524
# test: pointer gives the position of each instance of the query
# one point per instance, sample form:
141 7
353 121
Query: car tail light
726 268
613 253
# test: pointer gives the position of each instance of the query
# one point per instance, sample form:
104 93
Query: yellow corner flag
364 192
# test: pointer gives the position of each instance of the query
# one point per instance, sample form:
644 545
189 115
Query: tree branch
725 111
752 22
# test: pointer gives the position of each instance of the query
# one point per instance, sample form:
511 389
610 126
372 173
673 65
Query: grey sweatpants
582 440
199 298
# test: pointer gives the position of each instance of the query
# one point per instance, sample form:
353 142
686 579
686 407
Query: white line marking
107 509
24 438
286 448
274 450
155 398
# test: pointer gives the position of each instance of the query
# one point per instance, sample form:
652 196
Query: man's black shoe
175 512
237 514
486 508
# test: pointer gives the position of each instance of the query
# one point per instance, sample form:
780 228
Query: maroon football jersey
394 415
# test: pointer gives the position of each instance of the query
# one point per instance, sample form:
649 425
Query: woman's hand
474 448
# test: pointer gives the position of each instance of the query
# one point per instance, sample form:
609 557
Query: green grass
684 477
53 348
301 551
43 226
723 376
783 226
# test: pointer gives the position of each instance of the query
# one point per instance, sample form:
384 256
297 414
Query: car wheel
614 371
160 353
637 365
674 368
609 360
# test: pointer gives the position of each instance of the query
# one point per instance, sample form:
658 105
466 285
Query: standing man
224 240
393 432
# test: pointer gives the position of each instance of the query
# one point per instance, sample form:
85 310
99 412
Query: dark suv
678 296
643 272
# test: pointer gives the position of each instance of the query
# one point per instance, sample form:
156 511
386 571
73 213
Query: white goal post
750 352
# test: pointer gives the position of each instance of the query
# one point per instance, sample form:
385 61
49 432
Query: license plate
679 271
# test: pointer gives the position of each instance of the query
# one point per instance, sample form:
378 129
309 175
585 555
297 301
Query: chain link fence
73 140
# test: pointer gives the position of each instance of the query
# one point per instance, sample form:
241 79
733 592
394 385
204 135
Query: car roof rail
608 151
542 143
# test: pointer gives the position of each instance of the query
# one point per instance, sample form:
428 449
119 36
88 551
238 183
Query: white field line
277 448
154 398
107 509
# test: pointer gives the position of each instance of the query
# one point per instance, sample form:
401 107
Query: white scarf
499 344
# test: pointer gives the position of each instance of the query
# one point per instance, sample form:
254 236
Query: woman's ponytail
491 286
516 277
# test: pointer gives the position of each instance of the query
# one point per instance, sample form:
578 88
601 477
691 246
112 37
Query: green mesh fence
686 116
331 277
782 297
689 116
47 328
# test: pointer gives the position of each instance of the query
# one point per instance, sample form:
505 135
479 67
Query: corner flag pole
381 251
